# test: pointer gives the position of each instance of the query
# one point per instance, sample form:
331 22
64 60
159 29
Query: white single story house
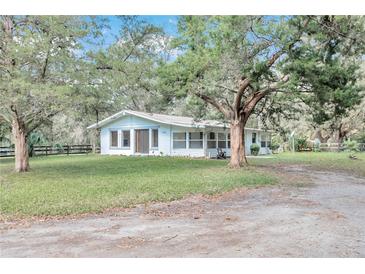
139 133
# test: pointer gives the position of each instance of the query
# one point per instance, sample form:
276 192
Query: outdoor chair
221 154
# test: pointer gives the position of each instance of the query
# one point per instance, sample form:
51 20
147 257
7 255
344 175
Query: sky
167 22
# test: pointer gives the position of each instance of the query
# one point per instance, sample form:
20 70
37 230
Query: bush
360 137
300 144
274 146
255 148
351 146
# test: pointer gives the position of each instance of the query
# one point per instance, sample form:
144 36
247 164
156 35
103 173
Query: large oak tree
38 57
234 62
231 62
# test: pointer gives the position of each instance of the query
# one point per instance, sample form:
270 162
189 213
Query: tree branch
243 84
41 121
258 95
280 52
213 103
44 69
227 88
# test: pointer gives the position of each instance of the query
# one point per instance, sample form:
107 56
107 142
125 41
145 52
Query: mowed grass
64 185
332 161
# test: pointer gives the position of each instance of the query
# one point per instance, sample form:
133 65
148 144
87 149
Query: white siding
130 123
265 136
248 141
164 140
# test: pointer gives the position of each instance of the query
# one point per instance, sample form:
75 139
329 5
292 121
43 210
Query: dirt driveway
322 218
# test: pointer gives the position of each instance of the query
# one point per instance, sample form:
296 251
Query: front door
142 141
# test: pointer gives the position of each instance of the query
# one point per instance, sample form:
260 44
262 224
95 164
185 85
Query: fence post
68 149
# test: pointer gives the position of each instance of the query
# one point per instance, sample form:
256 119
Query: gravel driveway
324 217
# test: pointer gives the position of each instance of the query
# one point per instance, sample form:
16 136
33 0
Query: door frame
136 135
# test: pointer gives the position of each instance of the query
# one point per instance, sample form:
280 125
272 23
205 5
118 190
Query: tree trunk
21 147
238 156
243 151
95 136
95 133
322 139
341 136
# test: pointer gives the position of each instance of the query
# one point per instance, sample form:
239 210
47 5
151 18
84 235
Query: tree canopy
225 67
38 56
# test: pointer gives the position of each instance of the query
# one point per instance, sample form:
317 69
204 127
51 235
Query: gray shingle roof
178 120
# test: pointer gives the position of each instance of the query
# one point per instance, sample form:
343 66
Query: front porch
207 142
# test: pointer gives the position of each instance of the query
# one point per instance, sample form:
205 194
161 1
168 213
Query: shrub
360 137
274 146
351 146
255 148
300 143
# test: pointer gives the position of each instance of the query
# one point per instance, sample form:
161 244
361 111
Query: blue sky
167 22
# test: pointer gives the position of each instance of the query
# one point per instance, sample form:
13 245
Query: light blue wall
165 132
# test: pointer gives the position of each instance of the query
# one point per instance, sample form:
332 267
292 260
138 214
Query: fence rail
331 147
50 150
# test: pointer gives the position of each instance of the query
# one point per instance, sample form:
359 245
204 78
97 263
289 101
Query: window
222 140
126 138
195 139
211 143
179 140
254 137
114 138
229 140
265 141
154 138
268 144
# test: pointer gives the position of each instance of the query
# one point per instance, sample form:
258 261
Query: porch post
226 133
205 145
133 141
149 139
120 138
216 138
187 139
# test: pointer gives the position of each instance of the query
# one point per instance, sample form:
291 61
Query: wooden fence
51 150
331 147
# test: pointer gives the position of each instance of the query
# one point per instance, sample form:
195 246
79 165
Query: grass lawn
64 185
335 161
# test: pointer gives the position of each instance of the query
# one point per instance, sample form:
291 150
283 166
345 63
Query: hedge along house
139 133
